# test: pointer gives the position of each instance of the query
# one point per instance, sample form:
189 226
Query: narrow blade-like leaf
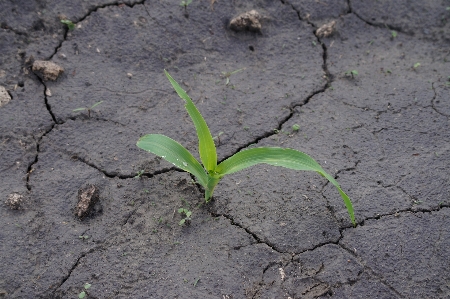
175 153
96 104
206 146
285 157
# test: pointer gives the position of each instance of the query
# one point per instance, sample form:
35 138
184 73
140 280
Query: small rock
48 92
247 21
14 201
47 70
4 96
326 29
87 198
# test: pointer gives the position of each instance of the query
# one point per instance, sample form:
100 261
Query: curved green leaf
175 153
206 146
284 157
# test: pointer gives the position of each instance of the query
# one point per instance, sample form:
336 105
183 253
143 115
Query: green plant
88 108
295 127
83 293
394 33
227 75
187 215
185 3
139 174
353 73
69 24
210 175
416 65
83 237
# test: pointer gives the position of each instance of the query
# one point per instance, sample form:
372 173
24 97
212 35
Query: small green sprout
227 75
185 3
314 43
83 237
187 215
211 173
353 73
394 33
295 127
448 8
139 174
196 281
69 24
217 137
416 65
82 294
88 109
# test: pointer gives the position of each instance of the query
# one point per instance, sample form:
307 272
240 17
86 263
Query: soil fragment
87 198
47 70
4 96
326 29
247 21
14 201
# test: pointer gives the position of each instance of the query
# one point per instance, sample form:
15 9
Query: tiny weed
388 72
83 293
185 3
416 65
139 174
295 127
196 281
69 24
186 213
217 137
314 43
394 33
353 73
84 237
88 109
211 173
227 75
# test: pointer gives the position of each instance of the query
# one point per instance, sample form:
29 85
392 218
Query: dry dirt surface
81 204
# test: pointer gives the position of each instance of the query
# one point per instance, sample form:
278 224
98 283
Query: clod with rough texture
14 201
326 29
247 21
4 96
47 70
87 198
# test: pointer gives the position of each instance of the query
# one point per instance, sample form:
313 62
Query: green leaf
180 210
173 152
284 157
206 146
87 286
69 24
79 109
182 221
82 295
96 104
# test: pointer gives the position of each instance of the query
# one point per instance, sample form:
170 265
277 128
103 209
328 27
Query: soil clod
87 198
247 21
4 96
47 70
14 201
326 29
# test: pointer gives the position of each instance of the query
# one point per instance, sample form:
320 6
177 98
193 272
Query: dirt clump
87 198
326 29
247 21
47 70
14 201
4 96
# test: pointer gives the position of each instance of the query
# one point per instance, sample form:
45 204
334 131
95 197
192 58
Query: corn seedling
88 108
210 174
69 24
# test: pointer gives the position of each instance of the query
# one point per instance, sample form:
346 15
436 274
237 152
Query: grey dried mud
269 232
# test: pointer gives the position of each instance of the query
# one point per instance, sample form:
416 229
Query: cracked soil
269 232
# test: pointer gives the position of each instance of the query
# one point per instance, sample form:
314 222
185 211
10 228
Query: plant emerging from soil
210 174
88 109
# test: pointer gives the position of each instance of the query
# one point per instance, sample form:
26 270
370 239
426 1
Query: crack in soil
74 266
433 99
377 25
